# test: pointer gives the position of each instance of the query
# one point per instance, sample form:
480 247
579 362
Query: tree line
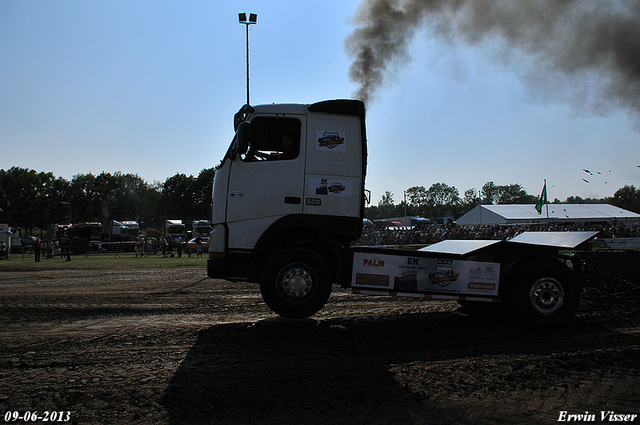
31 199
441 200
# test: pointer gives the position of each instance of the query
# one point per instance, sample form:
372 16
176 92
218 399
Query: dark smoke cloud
586 52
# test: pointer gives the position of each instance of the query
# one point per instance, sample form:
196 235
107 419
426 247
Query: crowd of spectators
430 234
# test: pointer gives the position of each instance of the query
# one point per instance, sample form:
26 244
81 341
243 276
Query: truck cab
289 189
175 229
201 229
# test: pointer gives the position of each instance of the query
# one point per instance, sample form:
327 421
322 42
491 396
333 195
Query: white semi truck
6 239
289 197
201 229
174 229
115 231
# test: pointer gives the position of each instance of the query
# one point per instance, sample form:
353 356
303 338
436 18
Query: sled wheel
543 294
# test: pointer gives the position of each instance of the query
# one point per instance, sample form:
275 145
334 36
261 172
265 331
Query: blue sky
150 88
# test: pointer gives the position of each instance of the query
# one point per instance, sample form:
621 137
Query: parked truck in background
174 229
116 236
57 231
201 229
6 240
84 237
115 231
133 229
289 197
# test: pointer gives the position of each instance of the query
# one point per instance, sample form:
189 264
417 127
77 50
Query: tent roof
526 213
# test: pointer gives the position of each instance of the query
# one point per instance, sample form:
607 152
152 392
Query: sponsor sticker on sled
424 274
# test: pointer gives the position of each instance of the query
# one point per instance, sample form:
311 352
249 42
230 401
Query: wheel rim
295 282
546 295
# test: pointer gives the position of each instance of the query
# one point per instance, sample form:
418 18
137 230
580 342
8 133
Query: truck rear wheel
296 283
543 294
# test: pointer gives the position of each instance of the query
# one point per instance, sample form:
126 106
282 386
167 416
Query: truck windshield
272 138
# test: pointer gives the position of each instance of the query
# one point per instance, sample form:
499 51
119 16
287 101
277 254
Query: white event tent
551 213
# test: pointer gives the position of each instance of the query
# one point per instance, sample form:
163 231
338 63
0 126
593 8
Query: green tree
372 212
202 196
386 206
55 191
84 198
152 211
417 201
23 197
470 200
178 197
490 193
627 197
387 200
574 200
441 197
514 194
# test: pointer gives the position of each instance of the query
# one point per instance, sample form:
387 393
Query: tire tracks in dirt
170 346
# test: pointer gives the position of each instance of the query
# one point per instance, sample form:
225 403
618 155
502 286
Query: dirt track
168 345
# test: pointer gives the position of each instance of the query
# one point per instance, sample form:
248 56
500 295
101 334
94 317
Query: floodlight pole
247 32
253 19
404 193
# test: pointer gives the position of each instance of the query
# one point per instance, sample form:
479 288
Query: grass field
97 261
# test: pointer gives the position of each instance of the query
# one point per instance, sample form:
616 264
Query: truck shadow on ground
337 370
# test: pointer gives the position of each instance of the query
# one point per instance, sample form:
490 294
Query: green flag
543 198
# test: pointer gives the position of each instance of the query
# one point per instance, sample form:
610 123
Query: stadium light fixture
253 19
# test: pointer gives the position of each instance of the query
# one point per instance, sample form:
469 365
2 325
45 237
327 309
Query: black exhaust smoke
586 53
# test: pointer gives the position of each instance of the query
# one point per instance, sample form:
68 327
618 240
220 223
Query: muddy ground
170 346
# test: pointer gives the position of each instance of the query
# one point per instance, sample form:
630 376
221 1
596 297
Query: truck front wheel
296 283
543 294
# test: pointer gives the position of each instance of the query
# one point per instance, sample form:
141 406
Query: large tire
296 283
543 293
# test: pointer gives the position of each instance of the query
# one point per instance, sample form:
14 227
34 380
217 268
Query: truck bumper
233 266
216 268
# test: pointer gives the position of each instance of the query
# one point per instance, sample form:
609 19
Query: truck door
267 182
334 166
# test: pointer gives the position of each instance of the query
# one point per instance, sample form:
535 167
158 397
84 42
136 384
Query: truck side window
274 139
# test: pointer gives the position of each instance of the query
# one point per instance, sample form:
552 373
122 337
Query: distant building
551 213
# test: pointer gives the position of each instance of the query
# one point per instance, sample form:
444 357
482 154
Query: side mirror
243 136
241 115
